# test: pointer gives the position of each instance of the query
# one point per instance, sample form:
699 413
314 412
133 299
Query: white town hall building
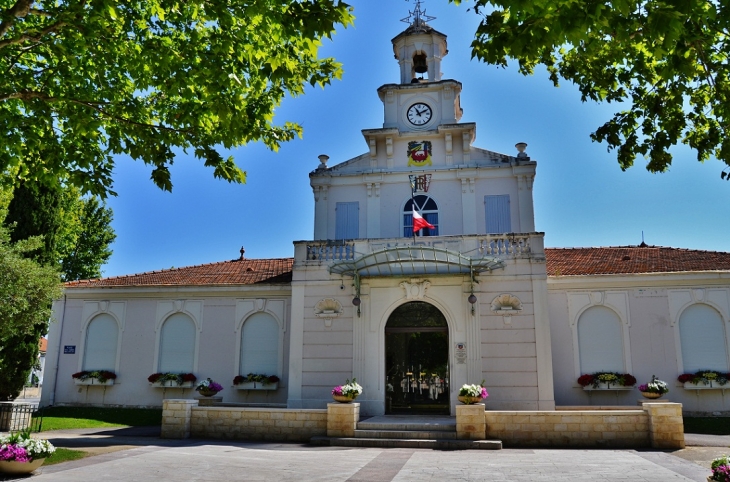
475 297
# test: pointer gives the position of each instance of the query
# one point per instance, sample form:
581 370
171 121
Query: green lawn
707 425
64 455
60 418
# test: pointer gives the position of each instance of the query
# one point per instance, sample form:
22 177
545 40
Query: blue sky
581 196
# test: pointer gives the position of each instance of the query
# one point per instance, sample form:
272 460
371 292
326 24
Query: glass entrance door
417 355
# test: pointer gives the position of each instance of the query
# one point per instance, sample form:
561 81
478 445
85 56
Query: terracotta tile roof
236 272
560 262
632 260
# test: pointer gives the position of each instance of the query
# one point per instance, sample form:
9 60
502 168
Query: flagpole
413 207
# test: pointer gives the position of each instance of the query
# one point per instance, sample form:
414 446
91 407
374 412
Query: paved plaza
139 454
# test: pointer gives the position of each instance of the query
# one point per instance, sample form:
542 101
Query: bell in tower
419 48
419 64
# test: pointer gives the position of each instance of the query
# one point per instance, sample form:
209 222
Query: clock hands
419 114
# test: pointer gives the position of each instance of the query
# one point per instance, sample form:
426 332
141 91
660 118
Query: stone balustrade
503 246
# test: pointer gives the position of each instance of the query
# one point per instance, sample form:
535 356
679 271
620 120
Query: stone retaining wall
657 425
184 418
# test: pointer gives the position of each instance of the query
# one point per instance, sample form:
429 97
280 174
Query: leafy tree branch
666 61
86 81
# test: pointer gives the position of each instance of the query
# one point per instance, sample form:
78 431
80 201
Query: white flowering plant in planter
208 385
21 447
654 386
473 390
350 389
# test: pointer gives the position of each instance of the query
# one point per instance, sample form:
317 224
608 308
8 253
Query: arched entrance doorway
417 360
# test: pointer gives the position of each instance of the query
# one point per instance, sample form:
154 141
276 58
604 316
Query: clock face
419 114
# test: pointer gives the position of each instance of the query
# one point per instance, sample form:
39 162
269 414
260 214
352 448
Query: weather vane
418 15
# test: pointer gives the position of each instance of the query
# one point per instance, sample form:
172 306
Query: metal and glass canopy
413 261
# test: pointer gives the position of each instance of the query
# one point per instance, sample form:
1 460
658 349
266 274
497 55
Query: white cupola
419 49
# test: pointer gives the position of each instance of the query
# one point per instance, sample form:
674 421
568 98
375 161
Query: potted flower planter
706 386
651 395
606 386
93 381
20 468
172 384
343 399
467 400
257 386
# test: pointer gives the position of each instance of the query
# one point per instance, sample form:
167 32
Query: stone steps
405 434
408 432
439 444
449 426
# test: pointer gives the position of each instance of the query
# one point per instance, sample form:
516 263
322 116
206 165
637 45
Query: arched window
100 346
428 208
177 344
260 345
702 339
600 342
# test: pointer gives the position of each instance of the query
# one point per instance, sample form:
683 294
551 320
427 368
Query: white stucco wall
217 344
511 353
651 335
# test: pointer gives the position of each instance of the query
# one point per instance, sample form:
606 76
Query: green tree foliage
35 211
665 60
26 292
84 239
28 281
84 81
53 226
26 288
18 356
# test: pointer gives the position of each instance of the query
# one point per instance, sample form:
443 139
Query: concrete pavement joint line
98 459
677 465
384 467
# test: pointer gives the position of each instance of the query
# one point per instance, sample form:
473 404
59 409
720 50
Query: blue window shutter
431 218
497 214
407 225
347 220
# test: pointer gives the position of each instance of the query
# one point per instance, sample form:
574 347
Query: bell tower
423 100
419 49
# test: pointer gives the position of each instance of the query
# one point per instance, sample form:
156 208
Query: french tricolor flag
420 223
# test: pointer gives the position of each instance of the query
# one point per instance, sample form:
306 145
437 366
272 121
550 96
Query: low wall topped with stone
184 418
657 425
